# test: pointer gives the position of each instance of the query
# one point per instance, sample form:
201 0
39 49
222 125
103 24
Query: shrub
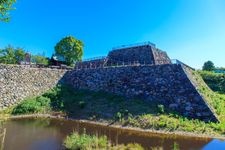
161 108
27 107
34 105
208 66
118 116
84 141
52 94
88 142
215 81
44 101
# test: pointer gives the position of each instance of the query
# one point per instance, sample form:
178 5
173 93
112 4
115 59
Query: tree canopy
39 59
216 81
70 48
208 66
11 55
5 7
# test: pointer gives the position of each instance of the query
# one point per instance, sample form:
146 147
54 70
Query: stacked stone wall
142 54
166 84
92 63
18 82
160 57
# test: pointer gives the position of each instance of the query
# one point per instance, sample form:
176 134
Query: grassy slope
100 106
214 99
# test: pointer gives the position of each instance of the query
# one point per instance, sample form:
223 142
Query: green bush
34 105
84 141
44 101
161 108
88 142
216 81
55 96
27 106
52 94
118 116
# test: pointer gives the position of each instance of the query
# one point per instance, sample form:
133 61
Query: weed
88 142
161 108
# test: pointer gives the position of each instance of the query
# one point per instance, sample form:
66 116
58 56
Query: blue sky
192 31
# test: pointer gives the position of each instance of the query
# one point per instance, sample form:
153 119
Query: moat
48 134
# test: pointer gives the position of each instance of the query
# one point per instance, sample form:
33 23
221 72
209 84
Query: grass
215 99
83 141
101 106
175 123
33 105
216 81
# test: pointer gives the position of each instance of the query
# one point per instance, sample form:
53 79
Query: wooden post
3 139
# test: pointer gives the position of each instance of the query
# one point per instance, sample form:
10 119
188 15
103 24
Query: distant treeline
68 51
11 55
216 81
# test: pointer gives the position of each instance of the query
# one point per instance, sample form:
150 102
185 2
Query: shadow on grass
85 104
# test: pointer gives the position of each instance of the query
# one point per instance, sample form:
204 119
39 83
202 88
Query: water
48 134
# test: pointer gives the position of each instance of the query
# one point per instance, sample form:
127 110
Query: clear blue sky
192 31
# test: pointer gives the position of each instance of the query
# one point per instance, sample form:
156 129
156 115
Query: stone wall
17 82
144 54
166 84
141 54
92 63
160 57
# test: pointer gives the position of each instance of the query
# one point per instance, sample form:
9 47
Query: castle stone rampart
166 84
18 82
153 79
146 54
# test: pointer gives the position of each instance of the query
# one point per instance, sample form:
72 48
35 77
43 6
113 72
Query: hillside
215 101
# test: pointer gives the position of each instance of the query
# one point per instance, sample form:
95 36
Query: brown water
48 134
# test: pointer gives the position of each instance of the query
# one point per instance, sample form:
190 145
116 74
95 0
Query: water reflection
48 134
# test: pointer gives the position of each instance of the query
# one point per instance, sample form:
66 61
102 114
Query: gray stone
198 114
173 106
188 108
18 82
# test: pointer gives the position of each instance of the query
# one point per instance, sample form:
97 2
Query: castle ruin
136 71
142 54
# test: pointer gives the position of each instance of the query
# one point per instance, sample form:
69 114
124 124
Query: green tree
5 7
39 59
19 55
69 48
11 55
208 66
7 55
